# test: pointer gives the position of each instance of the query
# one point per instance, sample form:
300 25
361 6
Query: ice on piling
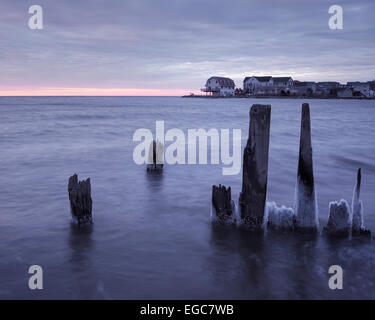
279 218
338 218
306 208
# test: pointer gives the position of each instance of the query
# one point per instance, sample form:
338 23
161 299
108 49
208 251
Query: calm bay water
152 237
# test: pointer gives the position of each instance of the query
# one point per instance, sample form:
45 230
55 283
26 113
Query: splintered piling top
260 115
80 198
258 142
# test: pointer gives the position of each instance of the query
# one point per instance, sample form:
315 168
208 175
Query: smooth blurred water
152 236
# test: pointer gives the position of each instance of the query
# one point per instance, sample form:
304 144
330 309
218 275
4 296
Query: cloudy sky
170 47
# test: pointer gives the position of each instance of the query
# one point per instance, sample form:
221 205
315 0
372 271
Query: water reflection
238 259
267 266
81 245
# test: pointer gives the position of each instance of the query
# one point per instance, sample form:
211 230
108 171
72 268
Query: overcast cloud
178 44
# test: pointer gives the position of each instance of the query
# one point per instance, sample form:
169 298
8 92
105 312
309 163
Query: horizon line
88 96
93 92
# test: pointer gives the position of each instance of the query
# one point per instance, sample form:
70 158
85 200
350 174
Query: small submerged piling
223 204
306 209
255 167
80 199
155 157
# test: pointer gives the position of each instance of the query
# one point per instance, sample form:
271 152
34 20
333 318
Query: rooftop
281 79
223 81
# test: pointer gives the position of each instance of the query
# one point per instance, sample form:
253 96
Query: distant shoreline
274 97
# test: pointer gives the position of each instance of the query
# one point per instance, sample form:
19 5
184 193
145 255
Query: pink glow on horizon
93 92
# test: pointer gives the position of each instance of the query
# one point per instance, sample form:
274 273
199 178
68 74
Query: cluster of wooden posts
254 212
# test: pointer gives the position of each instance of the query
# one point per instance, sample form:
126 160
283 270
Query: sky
171 47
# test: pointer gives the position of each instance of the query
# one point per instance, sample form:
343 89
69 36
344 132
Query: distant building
360 89
304 88
328 88
257 85
219 87
283 85
372 88
283 82
344 93
267 85
372 85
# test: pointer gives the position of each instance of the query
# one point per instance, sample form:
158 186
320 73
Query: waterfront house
305 88
344 93
372 88
285 82
372 85
283 85
219 87
360 89
327 88
258 85
267 85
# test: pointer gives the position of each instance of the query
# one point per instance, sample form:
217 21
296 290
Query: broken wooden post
338 219
155 157
223 204
80 199
357 209
255 166
306 209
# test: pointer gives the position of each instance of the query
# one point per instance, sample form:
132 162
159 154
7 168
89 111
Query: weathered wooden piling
223 204
338 219
155 157
306 209
255 166
358 227
80 199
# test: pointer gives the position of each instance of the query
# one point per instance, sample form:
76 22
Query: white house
219 87
267 85
257 85
283 82
283 85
